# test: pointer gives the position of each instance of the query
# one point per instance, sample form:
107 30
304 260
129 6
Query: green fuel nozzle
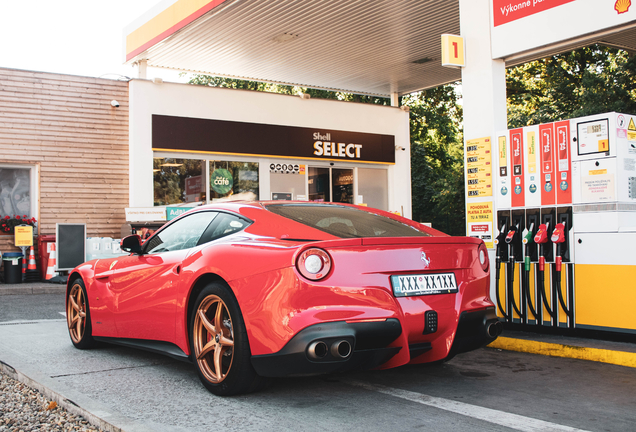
527 240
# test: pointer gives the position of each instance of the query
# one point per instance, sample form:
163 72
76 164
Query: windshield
345 222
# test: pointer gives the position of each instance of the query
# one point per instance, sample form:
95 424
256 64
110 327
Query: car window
182 234
224 224
346 222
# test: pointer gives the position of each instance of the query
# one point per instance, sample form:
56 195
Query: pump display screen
593 137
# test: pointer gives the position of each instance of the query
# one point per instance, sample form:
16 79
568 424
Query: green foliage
437 169
437 158
586 81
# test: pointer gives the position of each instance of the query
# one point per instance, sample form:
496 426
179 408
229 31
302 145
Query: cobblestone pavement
25 409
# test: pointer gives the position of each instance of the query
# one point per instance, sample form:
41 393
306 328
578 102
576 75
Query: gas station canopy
375 47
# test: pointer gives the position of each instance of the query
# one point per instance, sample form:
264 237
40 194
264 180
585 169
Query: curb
620 358
38 289
63 402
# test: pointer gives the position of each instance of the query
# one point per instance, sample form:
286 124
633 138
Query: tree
582 82
437 161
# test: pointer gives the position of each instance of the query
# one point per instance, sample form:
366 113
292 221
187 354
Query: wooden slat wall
66 124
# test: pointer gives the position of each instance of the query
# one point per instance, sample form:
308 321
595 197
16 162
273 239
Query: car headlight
314 264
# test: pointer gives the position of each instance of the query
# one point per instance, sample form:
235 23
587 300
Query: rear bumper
369 341
475 329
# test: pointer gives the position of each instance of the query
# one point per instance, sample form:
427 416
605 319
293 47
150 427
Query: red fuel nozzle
542 234
558 235
510 235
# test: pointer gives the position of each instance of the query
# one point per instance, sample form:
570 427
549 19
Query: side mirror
132 243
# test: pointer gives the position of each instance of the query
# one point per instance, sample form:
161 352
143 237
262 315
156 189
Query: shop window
319 184
18 197
373 187
342 181
233 178
178 180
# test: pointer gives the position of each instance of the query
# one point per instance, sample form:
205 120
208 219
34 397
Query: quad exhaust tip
341 349
494 329
317 350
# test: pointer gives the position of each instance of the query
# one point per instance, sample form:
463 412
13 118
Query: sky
77 37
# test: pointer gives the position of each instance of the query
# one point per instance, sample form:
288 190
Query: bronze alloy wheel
213 339
76 313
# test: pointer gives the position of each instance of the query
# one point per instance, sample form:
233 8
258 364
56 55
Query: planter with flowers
8 223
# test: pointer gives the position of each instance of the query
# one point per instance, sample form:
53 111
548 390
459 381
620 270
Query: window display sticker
479 221
598 186
593 137
478 168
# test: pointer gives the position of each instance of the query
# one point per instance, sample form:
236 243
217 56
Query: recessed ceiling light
171 165
285 37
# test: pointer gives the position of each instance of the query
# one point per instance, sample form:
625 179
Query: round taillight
483 257
314 264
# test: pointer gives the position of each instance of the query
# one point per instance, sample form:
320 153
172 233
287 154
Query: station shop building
70 156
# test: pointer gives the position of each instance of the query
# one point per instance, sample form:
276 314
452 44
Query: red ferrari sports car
247 290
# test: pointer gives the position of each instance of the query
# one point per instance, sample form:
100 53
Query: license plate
424 284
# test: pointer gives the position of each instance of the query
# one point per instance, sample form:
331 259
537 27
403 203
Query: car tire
219 344
78 316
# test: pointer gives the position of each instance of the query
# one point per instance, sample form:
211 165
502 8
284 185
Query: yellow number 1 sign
452 51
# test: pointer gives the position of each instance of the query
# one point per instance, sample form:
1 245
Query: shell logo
622 6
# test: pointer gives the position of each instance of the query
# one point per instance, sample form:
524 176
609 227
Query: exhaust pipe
317 350
341 349
494 329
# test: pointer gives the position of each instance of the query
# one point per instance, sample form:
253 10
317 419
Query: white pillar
395 99
142 65
483 79
483 91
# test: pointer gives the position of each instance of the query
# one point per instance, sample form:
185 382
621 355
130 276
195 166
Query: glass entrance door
330 184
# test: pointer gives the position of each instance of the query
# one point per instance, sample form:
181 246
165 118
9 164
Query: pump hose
560 294
497 267
526 290
511 286
541 282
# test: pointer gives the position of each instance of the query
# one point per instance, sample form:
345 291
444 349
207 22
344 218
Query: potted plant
8 223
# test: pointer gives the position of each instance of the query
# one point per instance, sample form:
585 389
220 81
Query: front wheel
78 316
219 343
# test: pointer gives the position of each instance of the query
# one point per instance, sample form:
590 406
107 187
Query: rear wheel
219 343
78 316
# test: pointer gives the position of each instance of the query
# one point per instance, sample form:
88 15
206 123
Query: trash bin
12 267
44 244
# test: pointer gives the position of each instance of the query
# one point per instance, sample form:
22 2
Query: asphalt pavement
489 389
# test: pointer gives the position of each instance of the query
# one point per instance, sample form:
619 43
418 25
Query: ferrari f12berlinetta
247 290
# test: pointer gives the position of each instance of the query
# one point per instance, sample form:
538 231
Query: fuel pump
559 236
500 241
528 240
541 238
512 240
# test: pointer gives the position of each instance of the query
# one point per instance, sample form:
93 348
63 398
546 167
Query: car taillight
483 257
314 263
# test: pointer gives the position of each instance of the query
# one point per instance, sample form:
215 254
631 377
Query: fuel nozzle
541 238
558 237
527 241
500 240
511 235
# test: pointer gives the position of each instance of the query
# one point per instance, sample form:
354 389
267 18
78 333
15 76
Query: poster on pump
563 162
532 166
516 158
546 142
503 192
